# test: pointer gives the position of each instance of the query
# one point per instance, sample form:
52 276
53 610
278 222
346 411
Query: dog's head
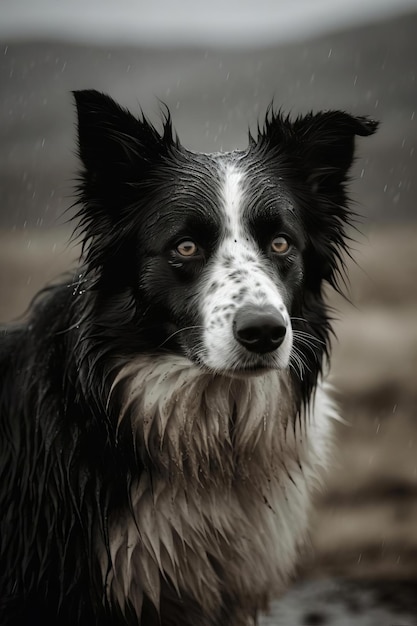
220 257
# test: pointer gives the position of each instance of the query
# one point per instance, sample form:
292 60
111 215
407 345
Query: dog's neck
193 424
219 448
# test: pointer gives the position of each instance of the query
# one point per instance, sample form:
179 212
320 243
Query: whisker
298 357
180 330
298 319
303 334
305 342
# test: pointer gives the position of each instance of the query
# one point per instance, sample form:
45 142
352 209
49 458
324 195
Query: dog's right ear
112 142
118 153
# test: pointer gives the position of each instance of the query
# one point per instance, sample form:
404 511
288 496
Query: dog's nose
259 329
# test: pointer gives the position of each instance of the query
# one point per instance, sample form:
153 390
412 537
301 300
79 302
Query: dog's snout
259 329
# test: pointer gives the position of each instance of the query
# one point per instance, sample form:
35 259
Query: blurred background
218 66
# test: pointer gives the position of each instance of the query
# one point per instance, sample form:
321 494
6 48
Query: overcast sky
187 22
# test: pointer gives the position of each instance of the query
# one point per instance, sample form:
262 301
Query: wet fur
152 470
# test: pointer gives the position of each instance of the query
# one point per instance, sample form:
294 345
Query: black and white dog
162 414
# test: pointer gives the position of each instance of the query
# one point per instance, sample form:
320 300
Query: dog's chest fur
225 499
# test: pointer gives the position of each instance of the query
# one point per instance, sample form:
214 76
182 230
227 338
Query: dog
163 412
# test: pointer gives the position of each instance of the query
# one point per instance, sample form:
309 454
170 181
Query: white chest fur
225 500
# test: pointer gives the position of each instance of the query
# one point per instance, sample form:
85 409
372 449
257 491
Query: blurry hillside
214 95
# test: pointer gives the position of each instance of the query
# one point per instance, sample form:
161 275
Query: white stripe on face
232 200
238 275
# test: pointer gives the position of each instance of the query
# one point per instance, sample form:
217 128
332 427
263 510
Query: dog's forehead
250 189
242 181
220 190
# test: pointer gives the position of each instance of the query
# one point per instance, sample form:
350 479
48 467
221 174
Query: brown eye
187 248
280 245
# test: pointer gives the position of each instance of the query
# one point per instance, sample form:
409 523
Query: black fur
63 466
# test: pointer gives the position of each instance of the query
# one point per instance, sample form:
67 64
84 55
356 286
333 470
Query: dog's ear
119 154
326 144
323 144
320 147
112 142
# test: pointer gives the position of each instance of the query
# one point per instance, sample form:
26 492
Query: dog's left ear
321 147
325 142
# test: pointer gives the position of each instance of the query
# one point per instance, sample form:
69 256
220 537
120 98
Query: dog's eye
280 245
187 248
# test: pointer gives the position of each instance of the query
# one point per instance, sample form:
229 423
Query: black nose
259 329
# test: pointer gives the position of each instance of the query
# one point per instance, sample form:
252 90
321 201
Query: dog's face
223 259
225 254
